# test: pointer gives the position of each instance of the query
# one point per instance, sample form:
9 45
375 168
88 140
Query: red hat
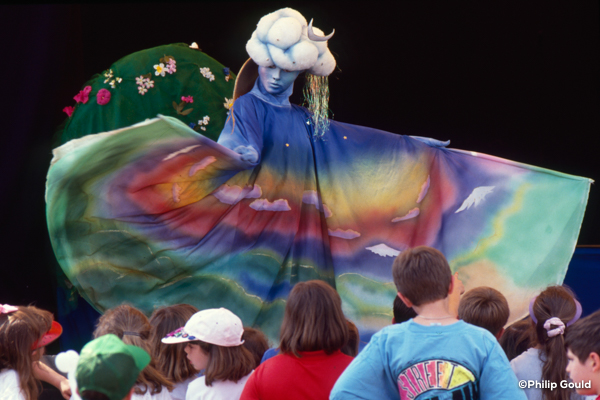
53 333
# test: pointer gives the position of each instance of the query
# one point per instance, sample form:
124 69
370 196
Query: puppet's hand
432 142
248 153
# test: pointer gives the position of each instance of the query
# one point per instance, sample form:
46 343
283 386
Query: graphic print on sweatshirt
436 380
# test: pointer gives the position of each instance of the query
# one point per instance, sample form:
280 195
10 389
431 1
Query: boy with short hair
108 368
486 308
433 355
583 352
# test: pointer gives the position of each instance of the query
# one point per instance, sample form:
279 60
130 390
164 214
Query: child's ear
406 301
595 361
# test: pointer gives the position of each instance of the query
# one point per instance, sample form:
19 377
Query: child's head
422 275
23 330
256 342
131 326
108 367
552 312
213 340
313 319
583 345
402 313
170 359
484 307
516 339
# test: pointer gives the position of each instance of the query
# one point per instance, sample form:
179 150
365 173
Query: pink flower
83 96
188 99
69 110
103 97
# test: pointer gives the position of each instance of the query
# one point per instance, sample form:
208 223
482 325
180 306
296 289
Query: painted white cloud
205 162
384 250
182 151
176 192
312 197
266 205
344 234
424 189
233 194
411 214
475 197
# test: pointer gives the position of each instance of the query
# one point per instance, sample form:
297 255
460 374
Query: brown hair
422 275
516 339
583 337
170 358
555 301
133 327
485 307
313 319
19 330
351 346
256 342
226 363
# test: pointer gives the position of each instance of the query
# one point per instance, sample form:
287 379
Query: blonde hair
170 358
19 330
133 327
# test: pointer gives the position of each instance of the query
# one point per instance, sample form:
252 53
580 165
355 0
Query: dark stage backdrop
516 79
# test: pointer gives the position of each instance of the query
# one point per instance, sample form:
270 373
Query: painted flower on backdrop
103 97
171 66
84 95
160 69
227 74
69 110
187 99
205 71
228 103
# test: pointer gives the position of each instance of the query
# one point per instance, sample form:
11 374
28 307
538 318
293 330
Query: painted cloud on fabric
344 234
384 250
233 194
266 205
475 197
311 197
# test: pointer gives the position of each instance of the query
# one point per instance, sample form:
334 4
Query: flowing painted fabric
158 214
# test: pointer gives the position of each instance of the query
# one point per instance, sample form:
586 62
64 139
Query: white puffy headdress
284 39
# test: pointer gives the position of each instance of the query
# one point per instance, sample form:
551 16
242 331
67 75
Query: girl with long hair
170 359
552 312
133 327
314 330
24 331
213 344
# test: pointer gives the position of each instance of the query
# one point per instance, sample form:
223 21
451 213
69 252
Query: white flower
194 46
149 84
207 74
160 69
206 119
112 84
119 80
203 128
228 103
139 80
142 90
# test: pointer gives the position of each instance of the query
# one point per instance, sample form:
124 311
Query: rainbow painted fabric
157 214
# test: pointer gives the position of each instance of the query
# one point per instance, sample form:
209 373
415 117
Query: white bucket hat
216 326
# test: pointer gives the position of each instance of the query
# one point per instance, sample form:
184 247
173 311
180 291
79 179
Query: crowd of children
440 345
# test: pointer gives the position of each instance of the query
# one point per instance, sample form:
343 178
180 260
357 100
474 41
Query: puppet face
276 80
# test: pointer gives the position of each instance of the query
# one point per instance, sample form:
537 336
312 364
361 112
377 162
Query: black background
516 79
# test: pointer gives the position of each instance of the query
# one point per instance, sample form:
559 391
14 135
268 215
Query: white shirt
10 385
219 390
180 389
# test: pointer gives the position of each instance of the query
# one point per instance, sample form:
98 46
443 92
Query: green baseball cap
109 366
